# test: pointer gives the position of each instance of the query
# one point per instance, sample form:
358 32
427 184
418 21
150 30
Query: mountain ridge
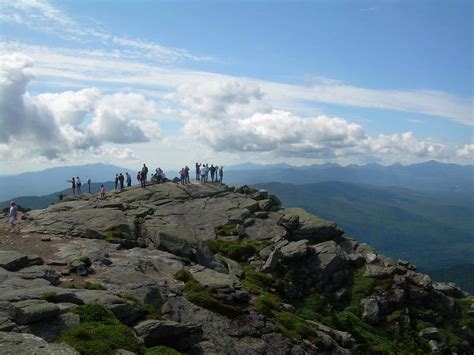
214 269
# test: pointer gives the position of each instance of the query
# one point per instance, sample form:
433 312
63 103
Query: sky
170 83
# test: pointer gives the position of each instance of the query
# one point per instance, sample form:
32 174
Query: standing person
206 169
116 181
12 215
102 192
198 175
129 180
78 185
212 169
73 185
139 177
182 176
89 185
202 171
186 174
121 180
221 174
143 175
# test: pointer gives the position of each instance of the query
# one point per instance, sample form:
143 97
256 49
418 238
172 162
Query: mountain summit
216 270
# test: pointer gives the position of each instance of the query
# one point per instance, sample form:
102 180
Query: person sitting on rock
12 215
102 192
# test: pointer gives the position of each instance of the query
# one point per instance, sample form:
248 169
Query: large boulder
294 250
330 258
30 311
311 227
181 336
371 311
13 261
28 344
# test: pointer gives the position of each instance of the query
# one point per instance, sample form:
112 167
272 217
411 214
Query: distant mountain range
40 183
430 176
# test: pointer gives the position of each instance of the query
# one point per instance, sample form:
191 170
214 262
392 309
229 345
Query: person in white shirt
12 215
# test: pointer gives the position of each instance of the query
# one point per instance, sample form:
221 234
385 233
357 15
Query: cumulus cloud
467 151
55 124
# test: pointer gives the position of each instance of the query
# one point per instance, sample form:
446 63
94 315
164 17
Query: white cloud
109 68
467 151
54 125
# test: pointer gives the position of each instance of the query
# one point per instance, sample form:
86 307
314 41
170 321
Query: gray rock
449 289
265 229
312 228
30 311
49 329
434 345
181 336
28 344
381 272
370 313
294 250
261 214
429 333
265 253
272 262
13 261
329 256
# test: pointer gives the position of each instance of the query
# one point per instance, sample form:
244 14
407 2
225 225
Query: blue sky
295 81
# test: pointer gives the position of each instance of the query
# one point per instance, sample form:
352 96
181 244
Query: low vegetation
235 249
93 286
99 332
203 296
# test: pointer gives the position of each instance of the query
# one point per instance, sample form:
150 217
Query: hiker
102 192
212 169
13 216
221 174
139 176
143 175
198 175
186 174
116 181
121 180
89 185
217 173
129 180
73 185
78 185
202 172
182 176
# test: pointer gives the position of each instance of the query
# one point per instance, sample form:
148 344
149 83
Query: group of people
203 171
76 185
120 181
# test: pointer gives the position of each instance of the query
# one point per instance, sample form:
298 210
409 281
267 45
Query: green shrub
295 327
313 307
235 249
361 287
150 310
49 296
113 234
257 281
94 313
99 332
183 275
267 303
93 286
226 230
85 260
95 338
161 350
204 296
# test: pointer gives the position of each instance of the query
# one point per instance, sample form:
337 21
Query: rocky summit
213 269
